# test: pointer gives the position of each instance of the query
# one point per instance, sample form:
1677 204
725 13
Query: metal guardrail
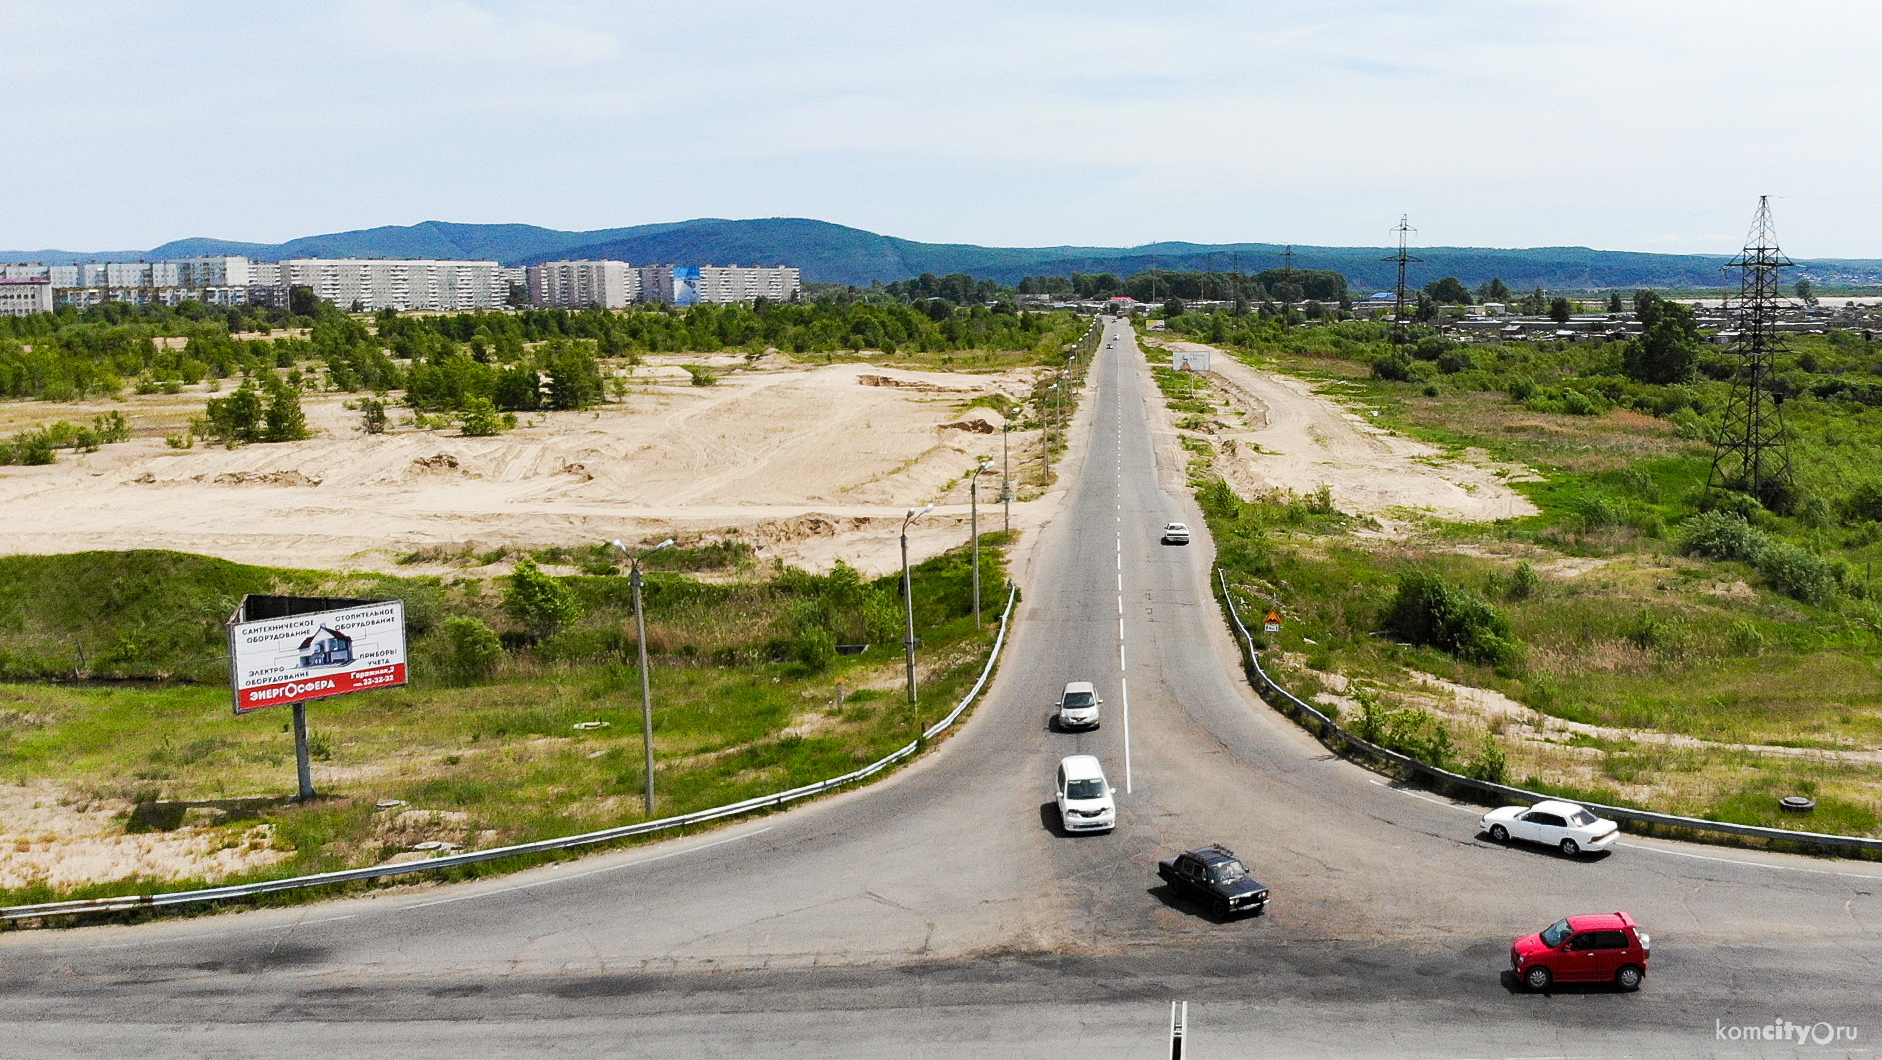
472 857
1331 733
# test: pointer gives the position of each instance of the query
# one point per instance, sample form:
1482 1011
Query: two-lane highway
941 913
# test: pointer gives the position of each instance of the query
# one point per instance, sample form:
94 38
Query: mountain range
832 253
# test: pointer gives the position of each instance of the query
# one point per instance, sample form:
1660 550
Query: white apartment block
720 284
577 284
717 284
23 295
372 284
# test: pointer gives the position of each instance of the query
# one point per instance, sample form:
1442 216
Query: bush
1490 765
1524 582
473 651
372 416
702 375
1798 573
538 601
1723 535
480 418
1394 366
815 647
1431 611
1862 504
1521 389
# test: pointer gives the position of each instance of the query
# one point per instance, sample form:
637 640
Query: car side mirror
1100 702
1111 788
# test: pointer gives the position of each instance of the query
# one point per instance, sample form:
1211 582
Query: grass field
1630 665
750 698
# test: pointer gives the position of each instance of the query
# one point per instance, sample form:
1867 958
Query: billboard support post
302 765
291 650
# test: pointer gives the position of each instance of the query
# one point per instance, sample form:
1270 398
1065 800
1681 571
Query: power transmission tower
1753 448
1403 258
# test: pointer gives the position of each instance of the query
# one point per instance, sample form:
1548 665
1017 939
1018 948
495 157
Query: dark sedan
1213 874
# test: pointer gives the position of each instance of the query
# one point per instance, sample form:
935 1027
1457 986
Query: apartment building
23 295
717 284
578 284
371 284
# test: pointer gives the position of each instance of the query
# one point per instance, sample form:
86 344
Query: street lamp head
618 545
661 545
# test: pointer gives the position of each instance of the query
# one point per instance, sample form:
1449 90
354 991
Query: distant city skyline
1546 123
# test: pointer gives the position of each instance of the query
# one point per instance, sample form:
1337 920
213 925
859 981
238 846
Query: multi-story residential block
24 295
717 284
371 284
577 284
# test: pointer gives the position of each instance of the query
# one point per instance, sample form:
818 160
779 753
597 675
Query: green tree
1448 291
372 416
539 602
1494 291
235 419
1560 310
283 420
1667 349
1614 302
472 650
1535 303
1173 308
480 418
1806 292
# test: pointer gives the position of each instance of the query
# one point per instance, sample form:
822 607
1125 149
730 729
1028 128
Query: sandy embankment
807 464
1297 439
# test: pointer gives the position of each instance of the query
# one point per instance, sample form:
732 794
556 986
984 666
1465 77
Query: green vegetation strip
1332 734
213 894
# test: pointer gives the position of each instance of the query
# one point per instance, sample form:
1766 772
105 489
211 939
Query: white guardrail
1331 733
248 890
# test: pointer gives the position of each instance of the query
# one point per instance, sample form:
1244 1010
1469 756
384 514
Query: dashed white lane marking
590 872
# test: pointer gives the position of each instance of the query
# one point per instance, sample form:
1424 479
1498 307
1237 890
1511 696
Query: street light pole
908 602
973 508
640 638
1006 478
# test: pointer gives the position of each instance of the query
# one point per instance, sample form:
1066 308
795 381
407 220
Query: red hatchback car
1594 948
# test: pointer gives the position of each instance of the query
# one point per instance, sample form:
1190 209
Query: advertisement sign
312 656
1189 360
685 285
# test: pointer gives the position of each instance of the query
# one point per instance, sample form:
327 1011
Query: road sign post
1273 624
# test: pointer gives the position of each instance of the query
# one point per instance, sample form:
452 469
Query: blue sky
1620 125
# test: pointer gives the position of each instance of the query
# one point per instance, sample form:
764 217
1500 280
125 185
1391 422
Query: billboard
685 285
1189 360
300 657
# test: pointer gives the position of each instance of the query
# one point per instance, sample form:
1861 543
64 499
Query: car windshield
1554 936
1085 789
1583 818
1078 699
1226 872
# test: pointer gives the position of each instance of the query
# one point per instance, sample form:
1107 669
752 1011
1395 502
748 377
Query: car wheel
1499 833
1537 978
1628 978
1570 847
1222 908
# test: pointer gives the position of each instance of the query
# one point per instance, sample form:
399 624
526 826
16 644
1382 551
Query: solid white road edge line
1124 690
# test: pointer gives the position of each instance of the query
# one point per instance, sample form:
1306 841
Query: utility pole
973 509
908 601
1403 258
646 684
1006 478
1752 450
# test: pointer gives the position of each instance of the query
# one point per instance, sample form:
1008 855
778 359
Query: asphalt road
941 913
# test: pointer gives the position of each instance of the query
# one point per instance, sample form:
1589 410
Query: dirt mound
262 478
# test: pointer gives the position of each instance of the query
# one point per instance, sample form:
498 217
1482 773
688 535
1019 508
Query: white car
1571 828
1176 533
1084 796
1077 707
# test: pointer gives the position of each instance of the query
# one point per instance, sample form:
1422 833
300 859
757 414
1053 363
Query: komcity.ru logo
1783 1030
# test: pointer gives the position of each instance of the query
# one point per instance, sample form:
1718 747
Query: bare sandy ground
1294 438
807 464
50 835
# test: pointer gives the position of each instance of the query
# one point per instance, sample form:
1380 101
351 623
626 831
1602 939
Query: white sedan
1176 533
1571 828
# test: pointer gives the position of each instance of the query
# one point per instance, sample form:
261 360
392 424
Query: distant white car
1176 533
1570 828
1078 706
1084 796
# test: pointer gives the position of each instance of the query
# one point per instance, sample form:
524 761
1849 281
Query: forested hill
831 253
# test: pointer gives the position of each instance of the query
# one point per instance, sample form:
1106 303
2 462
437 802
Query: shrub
1797 573
1723 535
1862 504
473 651
480 418
1431 611
538 601
372 416
1490 764
1521 389
815 647
702 375
1576 403
1394 366
1524 582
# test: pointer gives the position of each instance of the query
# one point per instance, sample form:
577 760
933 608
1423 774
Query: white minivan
1085 802
1078 706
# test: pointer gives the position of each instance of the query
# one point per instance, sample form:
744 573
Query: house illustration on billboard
327 647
